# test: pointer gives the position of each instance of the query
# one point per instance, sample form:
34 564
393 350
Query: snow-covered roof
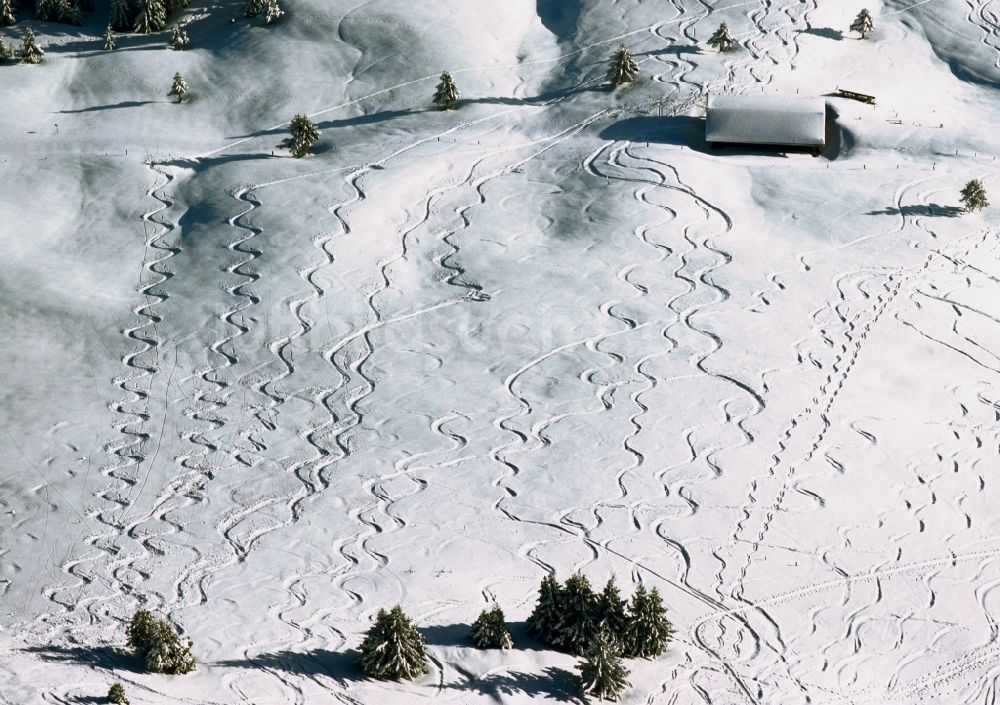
763 119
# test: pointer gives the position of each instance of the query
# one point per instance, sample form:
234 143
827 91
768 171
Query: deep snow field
451 350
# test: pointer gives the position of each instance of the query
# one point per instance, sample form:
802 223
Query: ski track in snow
126 477
740 637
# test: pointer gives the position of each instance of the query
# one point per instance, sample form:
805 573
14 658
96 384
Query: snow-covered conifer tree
304 136
611 615
121 15
393 649
490 630
31 53
648 631
863 24
179 89
178 38
253 8
974 196
544 619
272 12
5 52
446 94
116 695
109 40
159 645
578 616
723 39
71 12
602 673
152 17
8 13
623 68
48 9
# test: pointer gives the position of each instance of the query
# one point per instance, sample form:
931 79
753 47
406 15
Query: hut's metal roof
762 119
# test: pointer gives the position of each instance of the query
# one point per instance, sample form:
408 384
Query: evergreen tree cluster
159 645
143 16
30 52
268 9
569 617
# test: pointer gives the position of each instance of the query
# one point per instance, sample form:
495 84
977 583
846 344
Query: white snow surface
451 350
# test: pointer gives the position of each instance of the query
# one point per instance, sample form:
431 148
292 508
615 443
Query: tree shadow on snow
97 656
672 49
552 683
461 635
825 32
113 106
533 100
368 119
342 666
930 209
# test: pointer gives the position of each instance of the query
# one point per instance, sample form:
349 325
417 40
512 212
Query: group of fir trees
602 627
28 53
569 616
268 9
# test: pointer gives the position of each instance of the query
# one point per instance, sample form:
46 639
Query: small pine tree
578 618
5 52
31 53
723 39
178 38
544 619
974 196
490 630
152 17
611 611
623 68
253 8
8 13
304 136
121 15
116 694
393 649
648 631
272 12
602 673
446 94
109 40
863 24
159 645
179 89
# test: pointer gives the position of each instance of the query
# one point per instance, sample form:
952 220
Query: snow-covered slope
452 350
